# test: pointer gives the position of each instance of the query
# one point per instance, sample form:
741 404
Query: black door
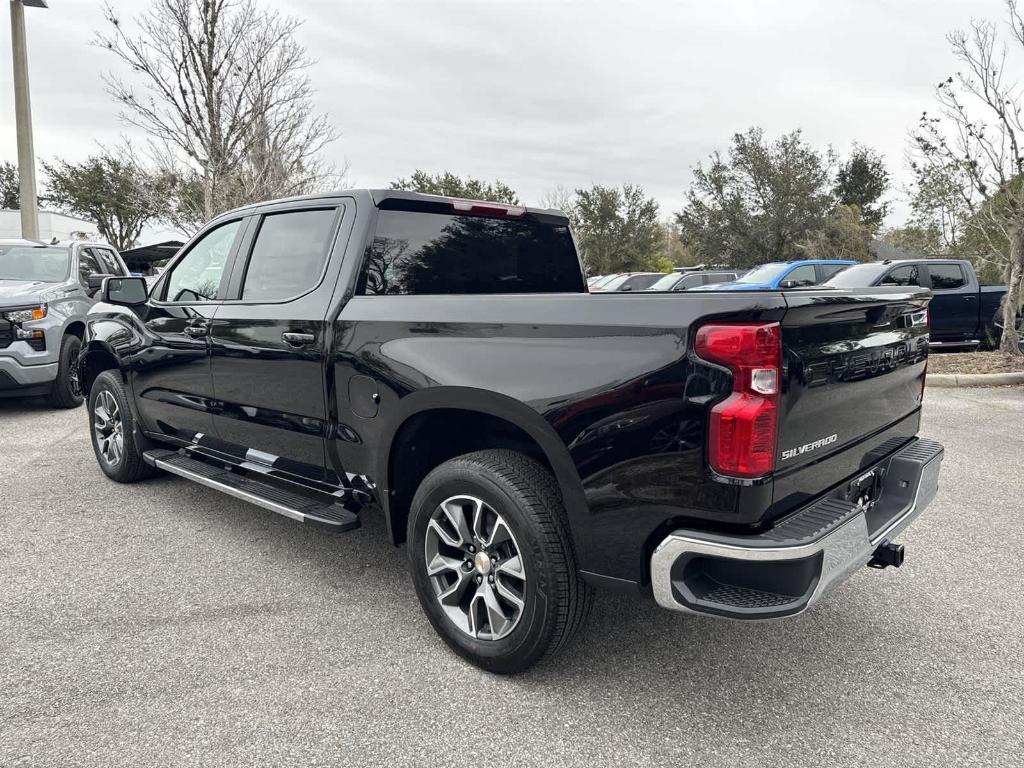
172 383
953 311
268 341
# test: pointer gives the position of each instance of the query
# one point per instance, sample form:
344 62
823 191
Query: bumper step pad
784 570
329 516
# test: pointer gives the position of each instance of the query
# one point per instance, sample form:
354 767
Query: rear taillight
743 433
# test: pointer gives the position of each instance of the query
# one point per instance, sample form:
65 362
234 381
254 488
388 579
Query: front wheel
65 392
112 428
492 560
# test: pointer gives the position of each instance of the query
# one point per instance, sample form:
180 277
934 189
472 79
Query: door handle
195 331
297 339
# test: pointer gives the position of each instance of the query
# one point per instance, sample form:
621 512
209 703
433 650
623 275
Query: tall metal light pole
23 119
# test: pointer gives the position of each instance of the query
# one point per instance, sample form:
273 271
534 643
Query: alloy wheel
475 567
108 427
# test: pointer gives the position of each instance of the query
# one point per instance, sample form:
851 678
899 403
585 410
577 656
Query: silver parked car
45 292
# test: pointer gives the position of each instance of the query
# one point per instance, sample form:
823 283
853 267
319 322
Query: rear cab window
425 248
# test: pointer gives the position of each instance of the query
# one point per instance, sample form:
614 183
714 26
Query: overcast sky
547 93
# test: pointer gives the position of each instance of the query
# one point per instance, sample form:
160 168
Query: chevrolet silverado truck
440 363
45 291
963 312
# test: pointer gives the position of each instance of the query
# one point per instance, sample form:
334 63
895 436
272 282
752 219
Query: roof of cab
377 196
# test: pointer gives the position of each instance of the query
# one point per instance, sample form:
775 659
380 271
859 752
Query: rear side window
288 254
946 276
909 275
825 271
417 252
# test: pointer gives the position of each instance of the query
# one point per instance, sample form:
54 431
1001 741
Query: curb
973 379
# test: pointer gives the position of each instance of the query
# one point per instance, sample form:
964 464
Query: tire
111 418
521 511
65 391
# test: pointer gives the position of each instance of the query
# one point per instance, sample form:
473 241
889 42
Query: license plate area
865 490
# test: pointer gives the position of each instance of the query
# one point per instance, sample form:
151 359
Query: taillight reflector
743 429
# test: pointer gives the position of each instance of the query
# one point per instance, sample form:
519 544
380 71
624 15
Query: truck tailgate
853 368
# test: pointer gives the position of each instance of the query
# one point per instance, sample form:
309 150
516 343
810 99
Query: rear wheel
112 427
65 392
492 561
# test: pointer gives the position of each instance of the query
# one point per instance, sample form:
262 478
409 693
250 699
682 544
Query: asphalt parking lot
162 624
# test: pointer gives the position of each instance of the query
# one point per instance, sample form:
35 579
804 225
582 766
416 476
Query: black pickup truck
440 362
963 312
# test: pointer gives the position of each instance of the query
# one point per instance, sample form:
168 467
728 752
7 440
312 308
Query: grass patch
974 362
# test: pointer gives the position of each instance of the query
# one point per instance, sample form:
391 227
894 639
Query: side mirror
626 288
788 284
95 282
126 291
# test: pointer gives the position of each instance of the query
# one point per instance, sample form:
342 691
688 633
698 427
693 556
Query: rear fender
491 404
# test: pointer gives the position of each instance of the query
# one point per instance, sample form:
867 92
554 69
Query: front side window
419 252
946 276
690 281
88 265
802 275
288 254
34 263
197 277
667 283
109 262
908 275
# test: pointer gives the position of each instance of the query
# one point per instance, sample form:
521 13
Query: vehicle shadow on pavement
29 405
627 639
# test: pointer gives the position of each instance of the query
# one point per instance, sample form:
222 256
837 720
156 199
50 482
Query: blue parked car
784 274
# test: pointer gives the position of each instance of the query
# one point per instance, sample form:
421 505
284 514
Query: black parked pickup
439 362
963 313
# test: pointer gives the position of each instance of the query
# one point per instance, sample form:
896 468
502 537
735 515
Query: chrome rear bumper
783 571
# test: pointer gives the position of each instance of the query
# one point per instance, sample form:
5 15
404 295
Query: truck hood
17 292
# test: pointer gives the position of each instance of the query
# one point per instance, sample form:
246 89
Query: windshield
857 276
33 263
763 274
666 283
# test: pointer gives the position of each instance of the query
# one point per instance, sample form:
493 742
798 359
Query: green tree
450 185
974 143
916 238
673 248
618 229
862 181
757 203
843 235
119 196
9 190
